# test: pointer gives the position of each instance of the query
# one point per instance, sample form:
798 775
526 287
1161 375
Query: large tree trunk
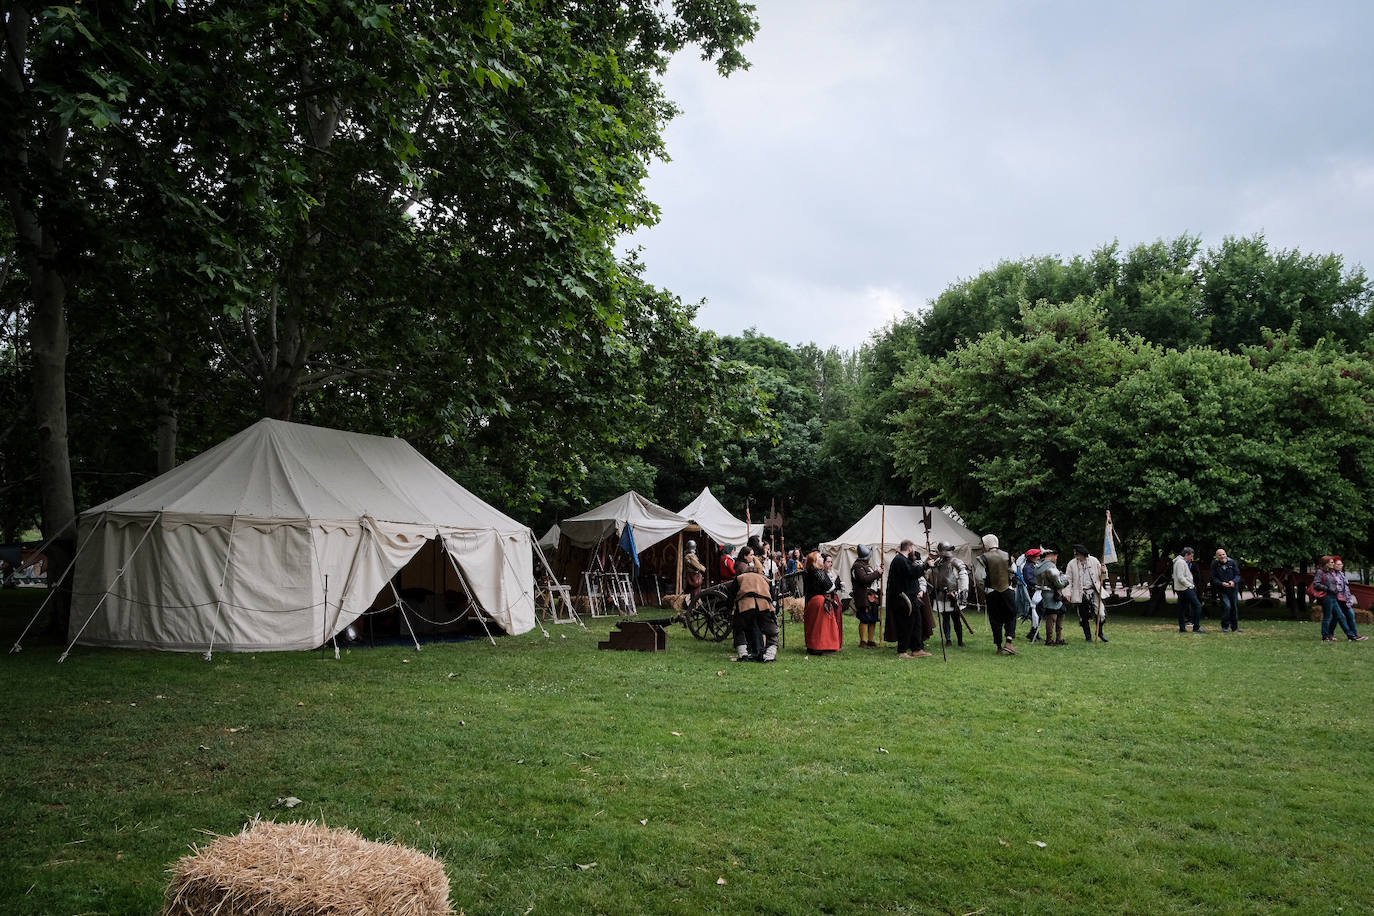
33 139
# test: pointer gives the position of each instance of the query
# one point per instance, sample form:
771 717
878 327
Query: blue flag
627 544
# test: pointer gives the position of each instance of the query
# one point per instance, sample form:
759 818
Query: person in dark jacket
907 621
1226 583
863 582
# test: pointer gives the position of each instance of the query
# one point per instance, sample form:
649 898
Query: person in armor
694 571
907 622
1084 591
755 619
863 582
997 579
1025 568
949 590
1051 581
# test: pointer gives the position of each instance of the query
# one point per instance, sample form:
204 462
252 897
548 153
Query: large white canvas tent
890 528
281 536
710 516
651 522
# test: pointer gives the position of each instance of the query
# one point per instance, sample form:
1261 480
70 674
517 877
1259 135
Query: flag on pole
1109 542
627 544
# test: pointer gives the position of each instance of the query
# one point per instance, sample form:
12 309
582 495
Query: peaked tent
278 538
550 539
903 522
651 522
710 516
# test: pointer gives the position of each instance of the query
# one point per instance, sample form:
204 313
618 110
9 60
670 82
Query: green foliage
997 427
1036 435
398 218
1170 293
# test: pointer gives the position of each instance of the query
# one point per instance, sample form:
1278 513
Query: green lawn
1163 773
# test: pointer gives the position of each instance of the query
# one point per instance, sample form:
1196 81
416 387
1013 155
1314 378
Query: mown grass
1163 773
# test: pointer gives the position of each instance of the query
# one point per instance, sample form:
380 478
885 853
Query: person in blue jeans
1226 581
1189 607
1337 601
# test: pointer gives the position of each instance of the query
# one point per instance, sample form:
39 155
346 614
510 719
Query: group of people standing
922 593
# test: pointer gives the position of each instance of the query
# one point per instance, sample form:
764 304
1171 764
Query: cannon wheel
709 617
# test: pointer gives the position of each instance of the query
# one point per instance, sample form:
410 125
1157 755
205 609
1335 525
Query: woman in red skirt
824 626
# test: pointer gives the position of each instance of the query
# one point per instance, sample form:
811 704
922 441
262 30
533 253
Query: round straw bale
271 869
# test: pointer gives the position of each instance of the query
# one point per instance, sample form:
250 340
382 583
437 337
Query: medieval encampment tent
549 540
651 522
890 526
710 516
280 537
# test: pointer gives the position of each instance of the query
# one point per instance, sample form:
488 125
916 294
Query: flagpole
882 545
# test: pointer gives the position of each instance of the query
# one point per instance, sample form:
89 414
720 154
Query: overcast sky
879 150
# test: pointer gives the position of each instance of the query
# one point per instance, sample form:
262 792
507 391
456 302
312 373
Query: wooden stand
636 636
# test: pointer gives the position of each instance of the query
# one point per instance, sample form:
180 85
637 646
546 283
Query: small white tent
278 538
549 541
651 522
710 516
891 527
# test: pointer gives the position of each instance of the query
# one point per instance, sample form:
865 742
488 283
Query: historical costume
756 619
948 590
1025 571
693 571
997 585
863 584
727 563
1051 583
1084 591
909 622
822 618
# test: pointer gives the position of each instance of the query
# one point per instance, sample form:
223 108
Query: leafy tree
402 216
1247 288
997 428
1169 292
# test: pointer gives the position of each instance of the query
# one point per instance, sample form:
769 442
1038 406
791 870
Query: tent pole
401 606
219 597
566 600
118 575
52 589
462 580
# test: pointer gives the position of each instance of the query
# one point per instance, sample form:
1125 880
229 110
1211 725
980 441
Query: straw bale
675 602
795 608
305 869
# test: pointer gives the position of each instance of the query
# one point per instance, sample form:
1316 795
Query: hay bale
795 608
676 602
272 869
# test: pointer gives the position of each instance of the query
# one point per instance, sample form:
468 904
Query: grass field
1162 773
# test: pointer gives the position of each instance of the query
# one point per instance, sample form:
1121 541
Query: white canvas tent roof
902 522
650 521
710 516
279 537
